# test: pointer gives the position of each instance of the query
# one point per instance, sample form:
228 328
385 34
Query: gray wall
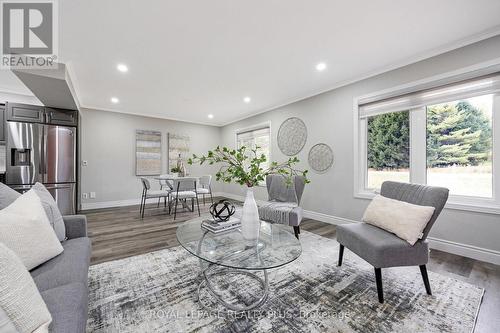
329 118
108 144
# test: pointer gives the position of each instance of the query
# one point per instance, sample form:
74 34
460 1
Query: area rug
156 292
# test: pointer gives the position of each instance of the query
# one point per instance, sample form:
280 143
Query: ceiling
188 59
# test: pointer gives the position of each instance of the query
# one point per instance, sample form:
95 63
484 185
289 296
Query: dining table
171 177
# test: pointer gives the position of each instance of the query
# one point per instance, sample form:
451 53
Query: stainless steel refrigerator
46 154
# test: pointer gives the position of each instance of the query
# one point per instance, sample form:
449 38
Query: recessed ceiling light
210 116
247 99
122 68
114 100
321 67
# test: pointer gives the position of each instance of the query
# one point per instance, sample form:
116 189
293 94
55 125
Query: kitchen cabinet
25 113
61 117
40 114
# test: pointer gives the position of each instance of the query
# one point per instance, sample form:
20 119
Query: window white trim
418 152
480 69
484 85
418 173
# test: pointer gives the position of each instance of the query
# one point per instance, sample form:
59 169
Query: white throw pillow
19 297
406 220
25 229
51 210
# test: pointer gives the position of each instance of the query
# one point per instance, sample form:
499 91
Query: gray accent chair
383 249
283 199
63 280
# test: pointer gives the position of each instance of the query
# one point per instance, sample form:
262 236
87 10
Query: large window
459 146
442 136
388 143
258 136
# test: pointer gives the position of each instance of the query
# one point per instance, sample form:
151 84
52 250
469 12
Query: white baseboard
109 204
465 250
326 218
127 202
461 249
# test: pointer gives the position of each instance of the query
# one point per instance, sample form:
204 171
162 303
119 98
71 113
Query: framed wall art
147 153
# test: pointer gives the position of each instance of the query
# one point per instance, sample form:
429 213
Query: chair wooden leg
211 198
341 255
425 277
296 231
143 207
380 290
203 199
140 207
158 205
198 205
175 208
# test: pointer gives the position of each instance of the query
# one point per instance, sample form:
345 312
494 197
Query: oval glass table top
277 246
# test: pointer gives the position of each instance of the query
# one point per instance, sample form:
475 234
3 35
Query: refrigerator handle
43 156
41 159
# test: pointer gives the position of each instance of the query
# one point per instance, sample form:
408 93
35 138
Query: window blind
252 134
484 85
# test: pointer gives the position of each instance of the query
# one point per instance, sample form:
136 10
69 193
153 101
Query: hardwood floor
120 232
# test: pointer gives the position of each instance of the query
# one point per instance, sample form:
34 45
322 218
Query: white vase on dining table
250 221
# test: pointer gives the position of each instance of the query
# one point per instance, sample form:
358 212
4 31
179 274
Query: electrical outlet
85 195
85 163
92 195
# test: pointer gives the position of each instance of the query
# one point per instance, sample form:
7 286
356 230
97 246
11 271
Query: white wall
107 143
18 98
329 119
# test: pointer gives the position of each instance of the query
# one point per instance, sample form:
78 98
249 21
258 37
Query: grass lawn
461 180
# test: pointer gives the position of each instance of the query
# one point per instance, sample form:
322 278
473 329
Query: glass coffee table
226 254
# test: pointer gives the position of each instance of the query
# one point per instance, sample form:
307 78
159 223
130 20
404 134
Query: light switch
92 195
85 195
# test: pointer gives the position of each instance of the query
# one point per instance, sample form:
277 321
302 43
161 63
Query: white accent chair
184 188
205 187
147 193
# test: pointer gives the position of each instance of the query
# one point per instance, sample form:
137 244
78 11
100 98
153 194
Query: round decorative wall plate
320 157
292 136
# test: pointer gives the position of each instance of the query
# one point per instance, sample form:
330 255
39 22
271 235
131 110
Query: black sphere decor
222 210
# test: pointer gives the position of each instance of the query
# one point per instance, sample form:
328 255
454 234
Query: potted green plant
244 166
175 171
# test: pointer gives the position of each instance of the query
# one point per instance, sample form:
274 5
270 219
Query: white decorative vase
250 222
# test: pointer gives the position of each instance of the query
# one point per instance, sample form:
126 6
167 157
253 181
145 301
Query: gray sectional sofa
63 280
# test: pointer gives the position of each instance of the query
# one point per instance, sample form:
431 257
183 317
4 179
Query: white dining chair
147 193
184 188
165 184
205 187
